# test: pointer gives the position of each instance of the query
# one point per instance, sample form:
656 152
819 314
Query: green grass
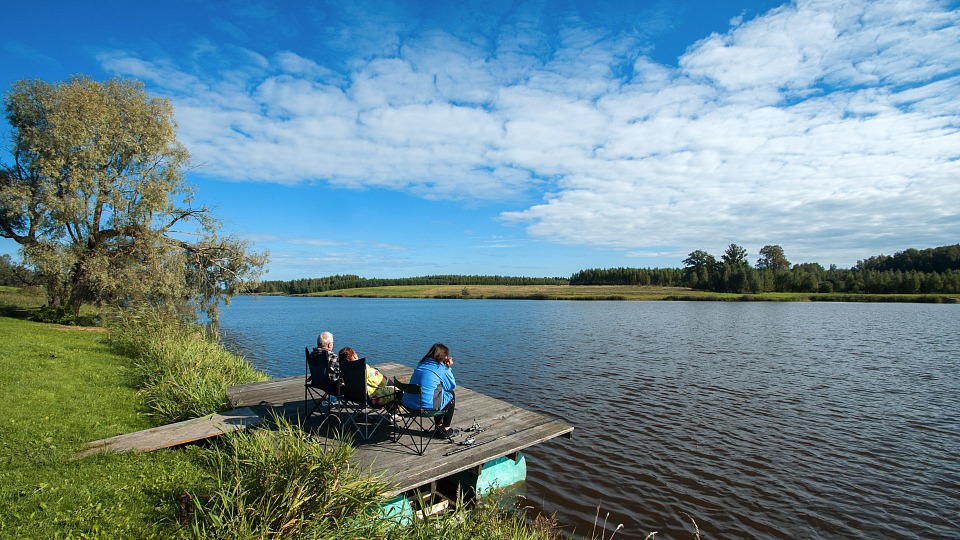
62 388
21 299
281 483
31 303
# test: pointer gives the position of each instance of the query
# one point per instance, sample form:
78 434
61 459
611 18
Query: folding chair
416 417
317 386
356 403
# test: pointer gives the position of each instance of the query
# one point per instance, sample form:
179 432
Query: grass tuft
180 367
280 483
487 519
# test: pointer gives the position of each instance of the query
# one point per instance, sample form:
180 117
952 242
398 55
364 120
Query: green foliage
934 260
932 271
182 370
772 258
62 315
660 277
14 274
699 268
489 520
55 315
734 256
95 192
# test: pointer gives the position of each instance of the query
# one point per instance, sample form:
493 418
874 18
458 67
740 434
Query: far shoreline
610 292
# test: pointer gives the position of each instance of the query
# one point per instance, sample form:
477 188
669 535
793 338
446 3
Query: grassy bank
66 386
615 292
63 387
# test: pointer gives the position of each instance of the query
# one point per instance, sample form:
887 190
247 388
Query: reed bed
180 367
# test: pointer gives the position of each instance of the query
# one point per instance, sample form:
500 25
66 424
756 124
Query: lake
753 420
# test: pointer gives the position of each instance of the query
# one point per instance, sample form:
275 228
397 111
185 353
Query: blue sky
395 139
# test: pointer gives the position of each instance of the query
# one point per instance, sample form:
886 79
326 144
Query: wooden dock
508 430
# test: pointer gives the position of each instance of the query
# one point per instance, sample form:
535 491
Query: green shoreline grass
615 292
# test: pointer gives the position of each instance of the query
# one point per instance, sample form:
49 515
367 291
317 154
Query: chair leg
362 424
419 442
317 402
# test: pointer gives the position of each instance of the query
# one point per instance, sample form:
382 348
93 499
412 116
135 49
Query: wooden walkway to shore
509 429
176 434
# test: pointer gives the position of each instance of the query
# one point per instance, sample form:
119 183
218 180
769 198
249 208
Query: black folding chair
415 417
317 386
355 402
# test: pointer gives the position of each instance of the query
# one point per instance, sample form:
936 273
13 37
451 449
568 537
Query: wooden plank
514 429
176 434
276 392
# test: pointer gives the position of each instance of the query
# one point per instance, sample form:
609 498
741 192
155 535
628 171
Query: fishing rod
465 447
475 428
469 443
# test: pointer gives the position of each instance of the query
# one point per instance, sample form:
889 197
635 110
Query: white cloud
819 126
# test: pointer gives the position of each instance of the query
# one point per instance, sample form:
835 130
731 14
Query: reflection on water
756 420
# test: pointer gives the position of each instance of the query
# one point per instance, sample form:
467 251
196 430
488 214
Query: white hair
325 340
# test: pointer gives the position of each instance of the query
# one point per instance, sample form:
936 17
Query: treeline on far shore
349 281
912 271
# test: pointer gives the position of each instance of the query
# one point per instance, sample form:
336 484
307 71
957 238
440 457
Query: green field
532 292
615 292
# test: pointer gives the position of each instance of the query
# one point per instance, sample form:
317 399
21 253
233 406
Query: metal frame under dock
507 430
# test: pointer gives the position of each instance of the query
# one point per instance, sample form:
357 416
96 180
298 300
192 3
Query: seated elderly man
324 352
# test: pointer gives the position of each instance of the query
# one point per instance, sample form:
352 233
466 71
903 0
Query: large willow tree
95 196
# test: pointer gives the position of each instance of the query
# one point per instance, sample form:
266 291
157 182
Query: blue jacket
436 386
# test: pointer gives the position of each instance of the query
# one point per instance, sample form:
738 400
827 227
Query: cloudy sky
394 139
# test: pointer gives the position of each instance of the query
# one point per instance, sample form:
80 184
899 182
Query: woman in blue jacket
434 374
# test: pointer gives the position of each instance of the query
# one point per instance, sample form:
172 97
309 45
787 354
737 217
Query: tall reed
180 368
280 483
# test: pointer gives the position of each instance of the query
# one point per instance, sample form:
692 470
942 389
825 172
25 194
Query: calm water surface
755 420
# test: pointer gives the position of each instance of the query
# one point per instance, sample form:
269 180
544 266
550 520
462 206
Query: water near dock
757 420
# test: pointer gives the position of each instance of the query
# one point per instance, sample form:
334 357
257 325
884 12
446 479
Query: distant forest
333 283
912 271
15 275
